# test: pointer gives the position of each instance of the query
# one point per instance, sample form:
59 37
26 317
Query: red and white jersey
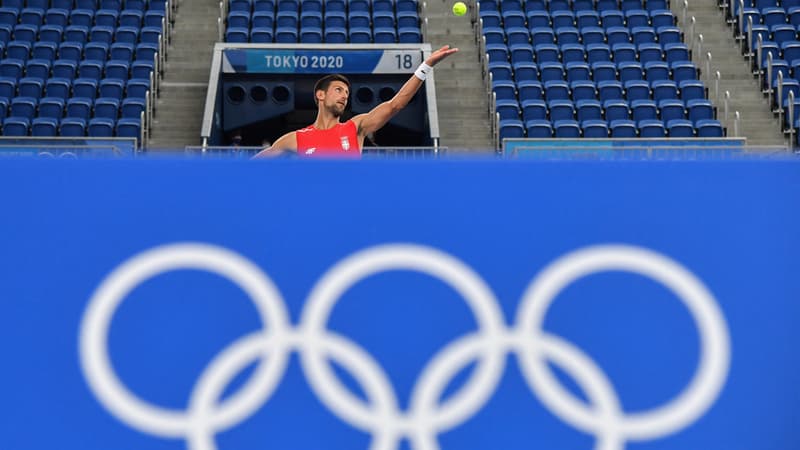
340 141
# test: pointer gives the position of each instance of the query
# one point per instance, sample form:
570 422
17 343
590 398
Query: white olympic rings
381 416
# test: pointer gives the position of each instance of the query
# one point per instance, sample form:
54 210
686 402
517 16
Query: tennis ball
459 8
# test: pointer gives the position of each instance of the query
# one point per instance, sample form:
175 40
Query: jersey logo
310 150
345 143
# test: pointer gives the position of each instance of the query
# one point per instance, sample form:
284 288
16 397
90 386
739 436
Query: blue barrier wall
461 305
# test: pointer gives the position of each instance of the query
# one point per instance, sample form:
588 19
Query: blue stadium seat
57 16
44 127
637 90
407 19
709 128
699 110
525 71
8 88
265 35
238 5
538 19
550 71
90 69
676 52
267 19
51 33
612 18
539 129
511 19
595 129
138 88
504 90
652 129
79 107
312 19
593 35
406 6
649 52
146 51
359 5
561 110
386 35
38 68
31 87
111 88
238 35
83 18
287 19
517 52
330 5
153 18
597 53
23 107
361 35
107 107
616 110
661 18
311 6
664 90
530 90
623 129
490 18
311 35
20 50
73 127
114 5
618 35
381 19
556 90
239 19
624 52
577 71
490 35
629 71
692 89
683 70
542 36
680 129
547 53
567 129
572 53
409 35
562 19
122 51
52 107
610 90
101 127
507 109
583 90
499 70
16 126
43 50
11 68
132 108
643 110
76 33
58 87
585 19
589 110
110 18
95 51
669 35
604 71
534 110
512 128
25 32
656 71
671 109
85 88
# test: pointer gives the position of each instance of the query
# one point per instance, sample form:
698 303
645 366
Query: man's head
331 93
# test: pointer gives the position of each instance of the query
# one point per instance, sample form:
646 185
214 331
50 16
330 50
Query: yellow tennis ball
459 8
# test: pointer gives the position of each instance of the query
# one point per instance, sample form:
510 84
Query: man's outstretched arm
285 144
377 118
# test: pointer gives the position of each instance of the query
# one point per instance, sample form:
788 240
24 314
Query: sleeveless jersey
340 141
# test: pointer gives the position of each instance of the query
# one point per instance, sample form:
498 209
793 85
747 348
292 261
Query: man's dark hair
323 83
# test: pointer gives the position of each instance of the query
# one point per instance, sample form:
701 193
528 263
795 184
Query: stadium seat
622 129
595 129
512 128
680 129
52 107
101 127
534 110
652 129
44 127
16 126
709 128
72 127
566 129
539 129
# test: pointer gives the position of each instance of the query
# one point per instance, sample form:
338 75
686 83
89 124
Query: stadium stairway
757 122
460 90
179 110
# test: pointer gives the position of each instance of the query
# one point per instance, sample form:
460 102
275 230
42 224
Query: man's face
335 99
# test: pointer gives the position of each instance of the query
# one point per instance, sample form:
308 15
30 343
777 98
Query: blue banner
321 61
224 304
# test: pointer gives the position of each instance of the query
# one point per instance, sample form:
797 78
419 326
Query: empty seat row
599 71
86 4
75 51
571 5
69 68
512 128
330 35
580 19
80 107
605 90
79 33
82 17
609 110
587 35
591 53
322 5
72 127
81 87
243 19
